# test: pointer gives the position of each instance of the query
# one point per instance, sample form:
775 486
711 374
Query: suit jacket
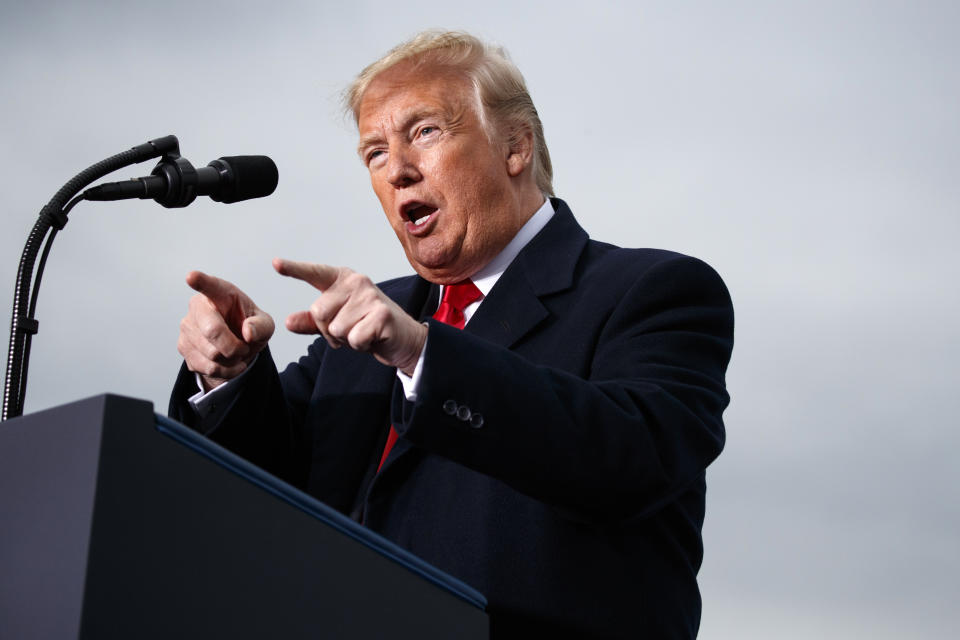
554 458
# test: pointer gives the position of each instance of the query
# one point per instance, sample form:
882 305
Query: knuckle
360 339
209 328
210 352
356 280
381 314
211 369
194 364
230 352
322 313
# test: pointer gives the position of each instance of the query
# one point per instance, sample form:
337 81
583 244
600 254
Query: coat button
450 407
476 421
463 413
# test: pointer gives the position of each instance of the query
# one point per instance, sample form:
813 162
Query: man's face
444 186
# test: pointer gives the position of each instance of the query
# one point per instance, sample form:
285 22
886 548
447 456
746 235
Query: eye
373 155
427 130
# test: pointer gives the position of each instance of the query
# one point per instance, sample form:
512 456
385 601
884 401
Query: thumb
257 328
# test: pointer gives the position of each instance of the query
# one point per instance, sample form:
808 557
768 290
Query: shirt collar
486 277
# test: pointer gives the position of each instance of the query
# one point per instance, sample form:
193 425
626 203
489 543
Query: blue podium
119 523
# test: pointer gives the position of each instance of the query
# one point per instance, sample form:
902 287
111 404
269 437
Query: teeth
420 221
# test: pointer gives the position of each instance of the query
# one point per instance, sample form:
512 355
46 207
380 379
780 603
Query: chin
438 262
438 274
430 261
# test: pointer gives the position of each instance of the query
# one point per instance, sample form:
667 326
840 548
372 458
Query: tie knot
456 298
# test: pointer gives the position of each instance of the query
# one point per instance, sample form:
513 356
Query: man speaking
533 412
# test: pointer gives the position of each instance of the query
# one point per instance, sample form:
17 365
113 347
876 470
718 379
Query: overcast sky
810 151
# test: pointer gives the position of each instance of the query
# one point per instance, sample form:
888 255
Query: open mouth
419 213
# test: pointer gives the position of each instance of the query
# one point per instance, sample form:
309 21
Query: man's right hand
223 330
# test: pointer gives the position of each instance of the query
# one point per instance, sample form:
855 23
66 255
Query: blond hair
499 84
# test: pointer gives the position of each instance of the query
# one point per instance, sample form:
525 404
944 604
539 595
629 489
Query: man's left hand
353 311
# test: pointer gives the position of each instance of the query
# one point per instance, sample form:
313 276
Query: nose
402 168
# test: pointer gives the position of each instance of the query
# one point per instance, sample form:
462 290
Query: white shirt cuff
203 402
412 383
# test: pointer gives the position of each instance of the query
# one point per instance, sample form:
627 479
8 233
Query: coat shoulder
602 259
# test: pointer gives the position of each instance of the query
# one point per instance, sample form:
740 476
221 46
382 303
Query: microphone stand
53 217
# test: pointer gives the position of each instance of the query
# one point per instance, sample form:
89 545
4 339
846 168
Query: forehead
405 90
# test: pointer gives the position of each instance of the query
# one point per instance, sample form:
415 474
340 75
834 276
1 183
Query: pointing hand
223 330
352 311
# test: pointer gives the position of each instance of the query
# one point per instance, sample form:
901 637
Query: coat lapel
513 308
545 266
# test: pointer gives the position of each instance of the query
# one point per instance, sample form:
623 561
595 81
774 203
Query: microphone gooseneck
173 183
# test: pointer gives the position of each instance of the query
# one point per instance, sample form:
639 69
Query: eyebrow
418 113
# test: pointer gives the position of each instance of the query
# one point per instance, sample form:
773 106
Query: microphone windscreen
251 177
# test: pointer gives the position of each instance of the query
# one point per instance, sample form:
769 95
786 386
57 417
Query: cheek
386 198
466 182
379 191
481 190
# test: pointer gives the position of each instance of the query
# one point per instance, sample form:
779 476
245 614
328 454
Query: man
552 452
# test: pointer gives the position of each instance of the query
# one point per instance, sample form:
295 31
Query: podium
119 523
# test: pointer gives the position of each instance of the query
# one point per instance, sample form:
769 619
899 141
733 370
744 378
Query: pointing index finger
321 276
219 291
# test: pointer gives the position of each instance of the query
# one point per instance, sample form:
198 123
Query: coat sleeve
622 441
263 421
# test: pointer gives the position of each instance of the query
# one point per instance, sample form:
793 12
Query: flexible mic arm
52 218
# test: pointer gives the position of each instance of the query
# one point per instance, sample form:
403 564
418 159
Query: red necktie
456 298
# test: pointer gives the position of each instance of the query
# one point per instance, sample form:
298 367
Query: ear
519 151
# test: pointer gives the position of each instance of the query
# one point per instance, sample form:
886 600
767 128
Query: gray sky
810 151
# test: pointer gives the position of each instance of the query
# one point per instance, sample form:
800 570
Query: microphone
175 183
